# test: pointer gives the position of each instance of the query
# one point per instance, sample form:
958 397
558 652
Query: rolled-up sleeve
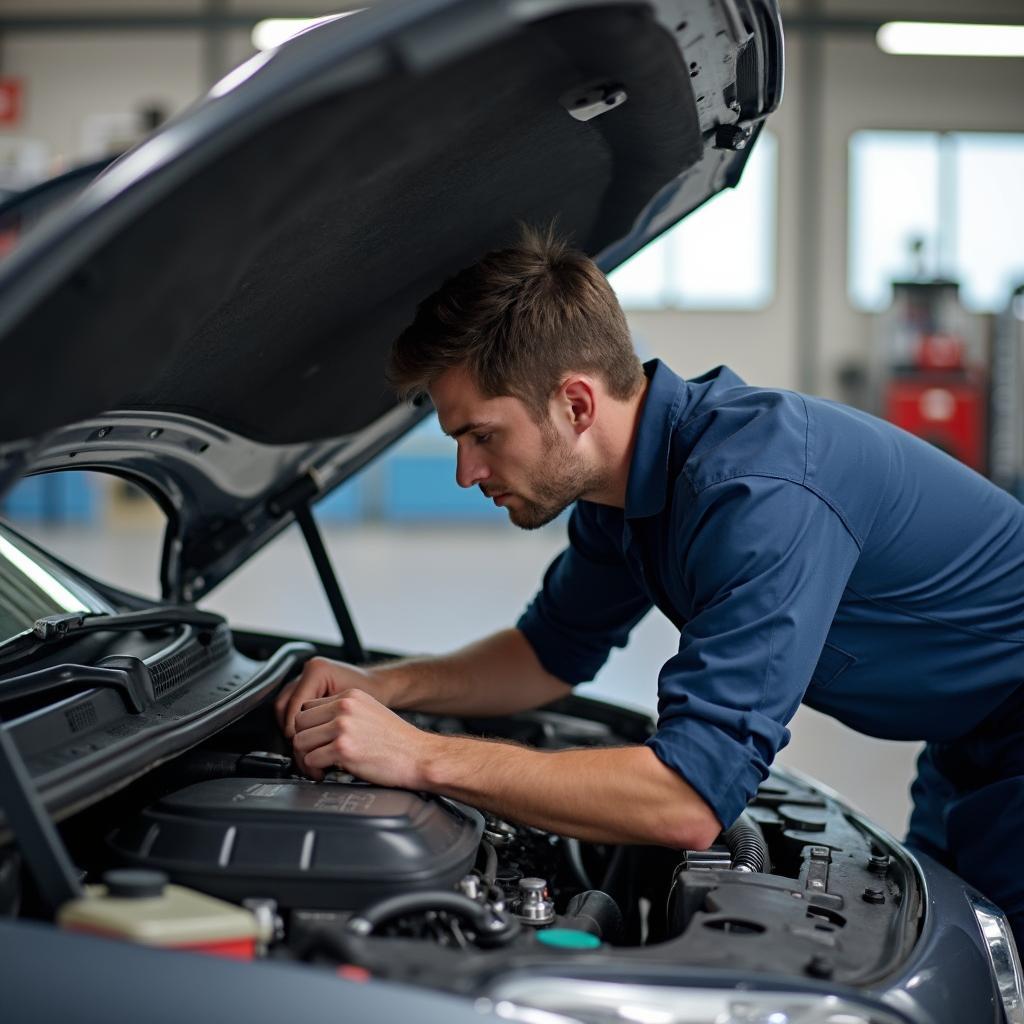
588 603
766 562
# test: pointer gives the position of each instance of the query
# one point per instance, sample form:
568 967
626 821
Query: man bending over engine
804 550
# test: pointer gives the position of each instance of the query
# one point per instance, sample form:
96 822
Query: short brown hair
520 319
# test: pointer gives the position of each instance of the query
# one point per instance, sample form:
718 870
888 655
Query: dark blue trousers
969 809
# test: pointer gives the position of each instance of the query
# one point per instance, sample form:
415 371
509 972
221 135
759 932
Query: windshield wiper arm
129 676
52 629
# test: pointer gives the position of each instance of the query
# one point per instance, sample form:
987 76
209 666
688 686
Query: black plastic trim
81 784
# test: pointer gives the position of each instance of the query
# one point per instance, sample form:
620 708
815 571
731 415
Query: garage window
936 205
699 264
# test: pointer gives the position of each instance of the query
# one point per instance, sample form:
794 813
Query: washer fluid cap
135 883
568 938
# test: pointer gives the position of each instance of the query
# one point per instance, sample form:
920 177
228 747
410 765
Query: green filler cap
568 938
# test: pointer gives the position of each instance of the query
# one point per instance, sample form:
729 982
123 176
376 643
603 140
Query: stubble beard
565 480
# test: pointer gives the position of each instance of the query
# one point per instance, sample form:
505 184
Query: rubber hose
746 844
193 767
612 872
493 928
574 854
490 872
595 912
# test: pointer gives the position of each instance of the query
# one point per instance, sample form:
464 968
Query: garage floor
428 589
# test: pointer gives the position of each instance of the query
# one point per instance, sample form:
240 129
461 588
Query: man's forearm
498 675
619 795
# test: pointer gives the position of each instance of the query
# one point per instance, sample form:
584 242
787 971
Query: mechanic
806 551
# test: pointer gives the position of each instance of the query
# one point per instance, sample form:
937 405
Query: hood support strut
328 578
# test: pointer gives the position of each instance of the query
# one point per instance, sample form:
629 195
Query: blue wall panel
53 497
422 487
343 505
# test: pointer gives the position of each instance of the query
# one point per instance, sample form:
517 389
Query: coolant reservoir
142 907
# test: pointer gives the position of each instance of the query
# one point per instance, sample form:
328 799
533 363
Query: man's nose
470 470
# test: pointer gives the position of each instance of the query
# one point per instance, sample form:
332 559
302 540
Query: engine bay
422 889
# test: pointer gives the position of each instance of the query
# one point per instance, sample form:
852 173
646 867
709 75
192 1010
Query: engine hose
574 854
746 844
490 872
492 928
612 871
594 912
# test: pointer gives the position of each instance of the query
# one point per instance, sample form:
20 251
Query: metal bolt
732 136
879 864
269 920
870 895
154 433
499 833
103 431
533 905
470 886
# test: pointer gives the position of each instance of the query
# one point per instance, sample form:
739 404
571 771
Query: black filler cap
135 883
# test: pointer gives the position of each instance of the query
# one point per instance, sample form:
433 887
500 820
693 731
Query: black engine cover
326 845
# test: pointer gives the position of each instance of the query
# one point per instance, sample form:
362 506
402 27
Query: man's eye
482 438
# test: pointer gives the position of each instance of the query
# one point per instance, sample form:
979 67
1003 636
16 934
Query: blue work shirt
806 551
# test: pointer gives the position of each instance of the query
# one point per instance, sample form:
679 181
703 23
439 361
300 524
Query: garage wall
101 83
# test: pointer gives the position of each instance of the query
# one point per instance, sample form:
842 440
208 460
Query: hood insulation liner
263 293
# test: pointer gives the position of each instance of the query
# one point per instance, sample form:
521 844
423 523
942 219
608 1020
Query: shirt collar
647 485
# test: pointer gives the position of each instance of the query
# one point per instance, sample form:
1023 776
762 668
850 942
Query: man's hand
617 795
358 734
321 678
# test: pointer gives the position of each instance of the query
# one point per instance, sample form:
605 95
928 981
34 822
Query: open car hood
211 317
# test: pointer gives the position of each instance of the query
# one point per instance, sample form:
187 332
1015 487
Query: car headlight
602 1002
1002 955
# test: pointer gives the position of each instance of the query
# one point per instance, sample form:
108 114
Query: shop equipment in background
931 376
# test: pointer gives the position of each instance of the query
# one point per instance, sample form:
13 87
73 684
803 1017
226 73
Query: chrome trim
610 1002
1002 955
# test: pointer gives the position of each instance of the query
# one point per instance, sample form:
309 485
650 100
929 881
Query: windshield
32 586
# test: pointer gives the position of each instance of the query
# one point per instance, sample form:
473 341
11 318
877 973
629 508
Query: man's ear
579 399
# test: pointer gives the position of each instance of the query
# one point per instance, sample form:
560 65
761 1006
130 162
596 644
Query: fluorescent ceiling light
945 39
272 32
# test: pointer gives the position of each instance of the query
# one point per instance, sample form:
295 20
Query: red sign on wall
10 102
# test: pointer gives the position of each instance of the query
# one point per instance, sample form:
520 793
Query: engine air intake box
327 845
